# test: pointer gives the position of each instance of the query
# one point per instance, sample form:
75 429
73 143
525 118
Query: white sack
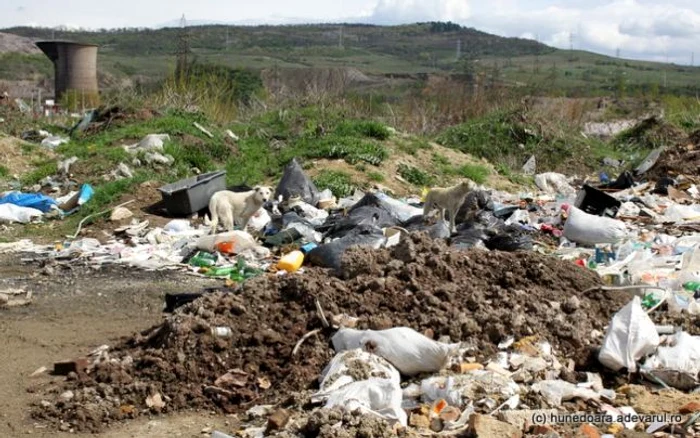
405 348
557 391
259 220
588 229
15 213
678 365
630 337
242 241
350 366
380 397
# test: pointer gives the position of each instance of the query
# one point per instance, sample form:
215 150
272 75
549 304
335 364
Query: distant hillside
10 43
407 51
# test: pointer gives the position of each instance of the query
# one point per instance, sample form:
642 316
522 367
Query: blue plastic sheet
37 201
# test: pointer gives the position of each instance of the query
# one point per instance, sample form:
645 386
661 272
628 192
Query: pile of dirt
682 158
475 297
10 43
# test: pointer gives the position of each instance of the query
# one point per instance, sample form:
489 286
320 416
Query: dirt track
74 312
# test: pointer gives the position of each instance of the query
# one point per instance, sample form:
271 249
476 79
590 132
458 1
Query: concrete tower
75 67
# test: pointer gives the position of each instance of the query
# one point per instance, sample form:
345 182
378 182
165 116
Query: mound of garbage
229 351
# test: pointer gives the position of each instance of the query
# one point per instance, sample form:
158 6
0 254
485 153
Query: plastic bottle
203 259
292 261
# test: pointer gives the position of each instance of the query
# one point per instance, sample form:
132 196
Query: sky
657 30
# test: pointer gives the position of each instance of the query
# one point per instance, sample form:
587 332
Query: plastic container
191 195
593 201
292 261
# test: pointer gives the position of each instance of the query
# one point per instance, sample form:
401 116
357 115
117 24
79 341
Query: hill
406 51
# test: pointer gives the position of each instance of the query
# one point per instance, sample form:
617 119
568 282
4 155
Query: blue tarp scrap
86 193
37 201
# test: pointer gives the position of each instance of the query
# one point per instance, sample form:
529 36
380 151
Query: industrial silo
75 68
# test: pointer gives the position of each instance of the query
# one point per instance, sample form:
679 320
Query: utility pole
340 37
183 51
537 54
692 59
459 49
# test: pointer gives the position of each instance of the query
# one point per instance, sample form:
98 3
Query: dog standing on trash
231 207
448 200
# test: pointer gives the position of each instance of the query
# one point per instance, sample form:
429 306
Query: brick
690 408
589 431
64 368
278 420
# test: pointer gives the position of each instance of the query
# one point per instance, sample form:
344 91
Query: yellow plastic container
292 261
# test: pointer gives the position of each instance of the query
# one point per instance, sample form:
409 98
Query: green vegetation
43 170
415 176
474 172
3 171
340 183
375 176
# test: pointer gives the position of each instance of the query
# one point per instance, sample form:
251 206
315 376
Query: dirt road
75 311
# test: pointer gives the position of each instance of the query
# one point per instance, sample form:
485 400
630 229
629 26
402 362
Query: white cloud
408 11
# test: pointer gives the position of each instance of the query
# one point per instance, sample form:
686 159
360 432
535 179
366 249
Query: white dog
230 206
448 200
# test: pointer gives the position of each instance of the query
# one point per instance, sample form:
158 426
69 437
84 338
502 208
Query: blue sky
640 29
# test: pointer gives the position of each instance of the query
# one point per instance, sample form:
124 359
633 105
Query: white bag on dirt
588 229
350 366
259 220
15 213
677 365
630 337
242 241
551 182
380 397
409 351
557 391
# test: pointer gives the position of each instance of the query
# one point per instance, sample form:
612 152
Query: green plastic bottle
692 286
203 260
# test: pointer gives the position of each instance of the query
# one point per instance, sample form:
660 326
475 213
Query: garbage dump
540 303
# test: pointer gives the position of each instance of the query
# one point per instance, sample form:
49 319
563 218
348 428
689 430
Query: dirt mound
682 158
17 156
474 296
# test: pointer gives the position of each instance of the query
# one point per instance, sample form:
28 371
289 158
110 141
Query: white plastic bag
588 229
15 213
551 182
405 348
350 366
178 226
259 220
678 365
557 391
630 337
380 397
456 390
242 241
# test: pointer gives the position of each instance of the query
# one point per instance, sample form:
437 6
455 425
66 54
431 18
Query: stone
419 421
278 420
67 396
120 214
522 418
155 401
467 367
436 425
39 371
522 376
484 426
571 305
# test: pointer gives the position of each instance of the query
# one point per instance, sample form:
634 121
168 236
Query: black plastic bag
438 230
469 238
339 225
663 184
294 182
330 254
510 239
475 200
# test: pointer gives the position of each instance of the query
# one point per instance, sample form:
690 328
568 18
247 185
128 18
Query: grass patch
340 183
363 128
415 176
474 172
375 176
47 168
413 145
4 171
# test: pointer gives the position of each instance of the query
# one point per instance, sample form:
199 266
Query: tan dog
447 200
231 207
